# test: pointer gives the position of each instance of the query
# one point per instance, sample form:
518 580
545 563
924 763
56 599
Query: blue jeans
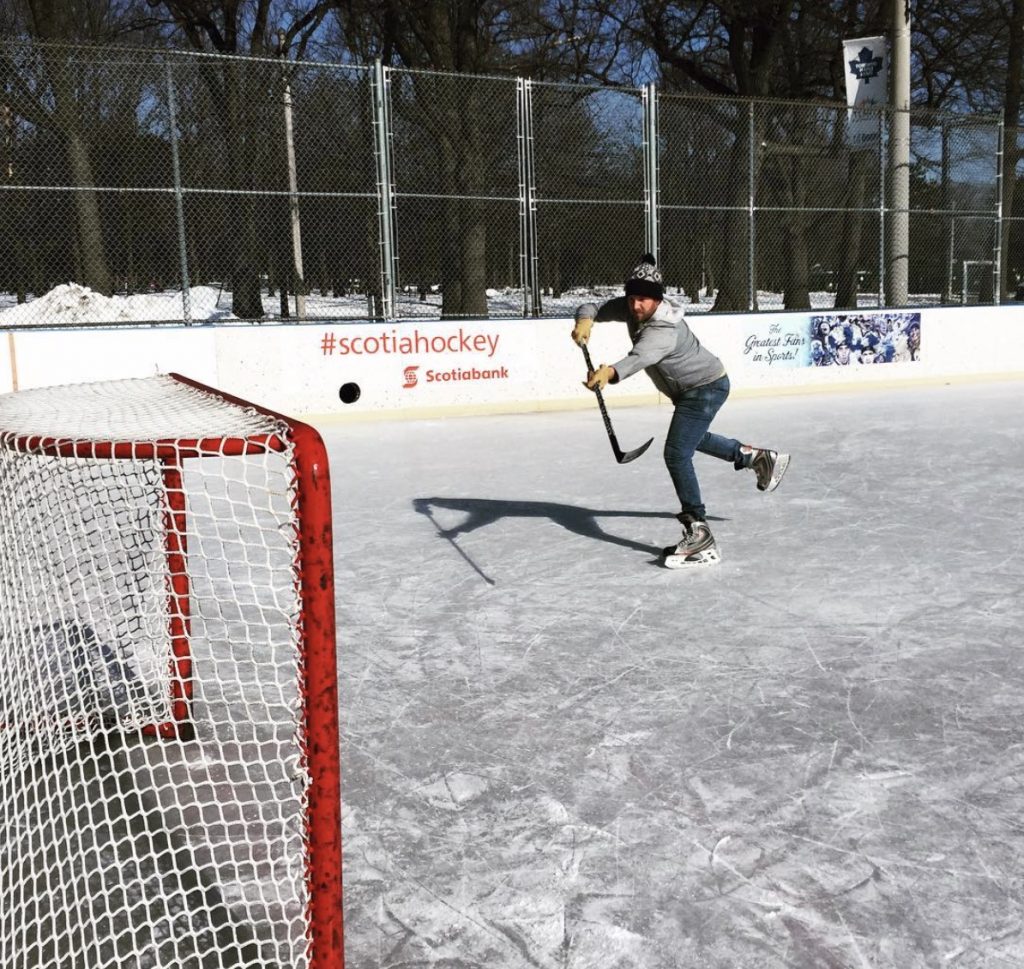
688 432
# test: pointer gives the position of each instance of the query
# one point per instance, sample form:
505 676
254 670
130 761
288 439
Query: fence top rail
621 88
432 72
157 53
916 111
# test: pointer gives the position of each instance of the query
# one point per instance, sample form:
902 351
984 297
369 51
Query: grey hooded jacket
664 346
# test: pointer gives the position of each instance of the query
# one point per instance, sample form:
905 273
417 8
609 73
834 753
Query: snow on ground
558 754
71 304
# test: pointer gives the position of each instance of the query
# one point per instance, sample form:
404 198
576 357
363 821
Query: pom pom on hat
645 279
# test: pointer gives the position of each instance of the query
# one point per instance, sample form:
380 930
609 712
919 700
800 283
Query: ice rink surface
557 753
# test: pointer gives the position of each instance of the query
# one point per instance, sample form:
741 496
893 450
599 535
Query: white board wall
433 368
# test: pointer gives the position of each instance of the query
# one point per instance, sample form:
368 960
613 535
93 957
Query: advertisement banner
777 342
886 336
832 339
440 363
866 62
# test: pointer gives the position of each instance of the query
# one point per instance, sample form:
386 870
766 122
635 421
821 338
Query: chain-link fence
228 187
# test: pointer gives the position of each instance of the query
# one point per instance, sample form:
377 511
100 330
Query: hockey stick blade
622 457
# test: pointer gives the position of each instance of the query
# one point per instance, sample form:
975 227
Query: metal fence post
172 114
751 200
947 201
381 89
899 153
651 172
997 255
883 130
529 256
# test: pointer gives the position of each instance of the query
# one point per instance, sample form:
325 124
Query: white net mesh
119 846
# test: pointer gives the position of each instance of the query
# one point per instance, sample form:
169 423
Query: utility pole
899 155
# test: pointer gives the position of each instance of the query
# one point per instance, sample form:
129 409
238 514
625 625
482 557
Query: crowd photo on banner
865 338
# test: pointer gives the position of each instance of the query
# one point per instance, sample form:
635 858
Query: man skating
695 380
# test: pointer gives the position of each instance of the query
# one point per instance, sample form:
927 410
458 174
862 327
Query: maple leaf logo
865 65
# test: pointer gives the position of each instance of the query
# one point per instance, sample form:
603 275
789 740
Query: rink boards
432 368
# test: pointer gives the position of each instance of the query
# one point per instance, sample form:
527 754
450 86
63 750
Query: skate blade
695 561
781 463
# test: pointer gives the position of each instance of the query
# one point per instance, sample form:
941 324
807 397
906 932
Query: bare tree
242 27
449 38
52 96
472 37
970 56
729 48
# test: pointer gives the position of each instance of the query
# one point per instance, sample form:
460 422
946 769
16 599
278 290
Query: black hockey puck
349 393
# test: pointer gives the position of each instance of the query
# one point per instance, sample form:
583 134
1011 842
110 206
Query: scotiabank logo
455 374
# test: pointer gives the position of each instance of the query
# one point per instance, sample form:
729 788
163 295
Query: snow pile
71 304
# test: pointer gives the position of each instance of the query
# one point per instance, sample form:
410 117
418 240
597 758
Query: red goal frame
318 677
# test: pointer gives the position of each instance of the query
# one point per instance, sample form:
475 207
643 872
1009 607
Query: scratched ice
558 754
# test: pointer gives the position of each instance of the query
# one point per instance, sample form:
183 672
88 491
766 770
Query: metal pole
882 131
529 258
947 203
385 189
997 256
751 292
899 155
952 255
531 196
651 199
293 191
524 202
186 288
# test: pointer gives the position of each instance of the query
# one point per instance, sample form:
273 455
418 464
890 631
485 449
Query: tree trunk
798 292
451 278
94 270
464 239
693 265
246 297
734 282
95 274
473 264
847 278
50 23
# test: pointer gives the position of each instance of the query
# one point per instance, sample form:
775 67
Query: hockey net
169 786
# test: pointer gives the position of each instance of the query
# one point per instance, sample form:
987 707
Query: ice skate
697 546
769 466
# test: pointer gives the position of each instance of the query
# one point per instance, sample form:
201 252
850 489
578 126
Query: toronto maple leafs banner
866 60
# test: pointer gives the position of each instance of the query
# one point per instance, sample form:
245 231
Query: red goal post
167 633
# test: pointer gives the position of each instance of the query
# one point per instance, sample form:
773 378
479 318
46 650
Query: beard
640 318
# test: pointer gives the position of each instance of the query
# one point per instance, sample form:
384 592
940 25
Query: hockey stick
621 456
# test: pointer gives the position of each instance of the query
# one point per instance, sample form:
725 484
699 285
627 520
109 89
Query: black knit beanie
645 280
